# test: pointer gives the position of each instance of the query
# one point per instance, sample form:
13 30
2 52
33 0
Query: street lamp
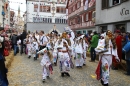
3 14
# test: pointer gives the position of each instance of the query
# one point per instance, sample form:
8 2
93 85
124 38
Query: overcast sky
14 4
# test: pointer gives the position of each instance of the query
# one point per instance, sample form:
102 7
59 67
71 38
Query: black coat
23 36
3 70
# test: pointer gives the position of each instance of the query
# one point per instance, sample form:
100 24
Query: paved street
26 72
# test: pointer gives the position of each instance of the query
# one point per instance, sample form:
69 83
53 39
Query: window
73 8
86 17
41 8
35 7
113 2
110 3
48 8
104 4
58 9
90 16
78 19
84 31
61 10
82 18
78 4
93 14
44 9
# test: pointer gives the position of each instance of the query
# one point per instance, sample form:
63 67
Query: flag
91 3
86 5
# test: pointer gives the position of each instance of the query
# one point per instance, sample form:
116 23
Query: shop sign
124 11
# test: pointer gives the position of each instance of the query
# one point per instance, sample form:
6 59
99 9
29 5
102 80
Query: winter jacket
126 49
14 39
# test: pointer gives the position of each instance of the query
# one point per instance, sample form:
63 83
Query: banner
91 3
86 5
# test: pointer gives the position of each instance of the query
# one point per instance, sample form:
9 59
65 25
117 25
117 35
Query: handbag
99 70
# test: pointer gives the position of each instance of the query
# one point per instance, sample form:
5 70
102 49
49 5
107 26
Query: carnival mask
109 33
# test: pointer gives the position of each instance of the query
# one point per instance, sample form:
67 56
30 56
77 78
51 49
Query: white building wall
7 15
30 11
112 14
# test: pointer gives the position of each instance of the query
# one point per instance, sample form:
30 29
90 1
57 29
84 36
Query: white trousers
106 63
64 62
84 55
54 56
29 52
45 72
79 60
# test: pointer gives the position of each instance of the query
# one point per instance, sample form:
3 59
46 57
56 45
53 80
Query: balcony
82 25
76 11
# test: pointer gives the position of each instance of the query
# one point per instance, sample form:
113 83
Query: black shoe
74 58
102 82
29 57
84 64
35 58
115 68
127 74
48 77
55 63
62 74
67 74
43 80
77 66
106 84
80 66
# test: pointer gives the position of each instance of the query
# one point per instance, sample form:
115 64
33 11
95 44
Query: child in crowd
46 63
35 48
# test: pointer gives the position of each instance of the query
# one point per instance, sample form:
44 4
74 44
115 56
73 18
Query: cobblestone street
27 72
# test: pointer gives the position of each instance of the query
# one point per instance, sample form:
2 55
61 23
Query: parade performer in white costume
35 48
29 45
79 53
106 57
64 59
46 63
85 46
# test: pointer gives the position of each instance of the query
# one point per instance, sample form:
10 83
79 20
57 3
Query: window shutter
85 17
75 6
89 16
104 4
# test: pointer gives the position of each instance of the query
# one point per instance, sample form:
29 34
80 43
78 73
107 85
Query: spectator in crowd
23 36
126 49
118 39
14 42
43 40
94 43
3 70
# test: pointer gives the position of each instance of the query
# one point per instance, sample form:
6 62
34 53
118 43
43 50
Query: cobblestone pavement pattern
26 72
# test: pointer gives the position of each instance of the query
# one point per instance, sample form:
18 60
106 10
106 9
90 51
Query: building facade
113 15
5 14
44 14
12 14
81 15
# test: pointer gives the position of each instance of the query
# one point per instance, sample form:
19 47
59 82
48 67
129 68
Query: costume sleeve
45 39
